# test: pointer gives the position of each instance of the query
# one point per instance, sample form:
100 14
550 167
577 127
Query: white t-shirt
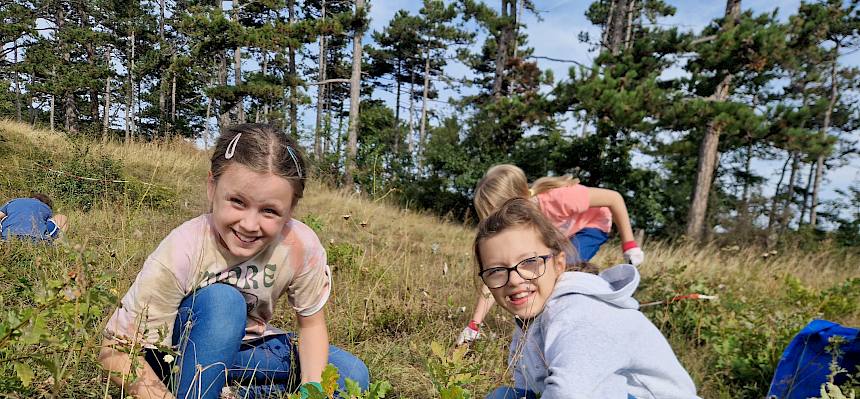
189 259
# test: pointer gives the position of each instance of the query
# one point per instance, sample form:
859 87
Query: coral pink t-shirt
188 259
567 208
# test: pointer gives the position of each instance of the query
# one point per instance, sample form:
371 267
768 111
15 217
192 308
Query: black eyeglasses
528 269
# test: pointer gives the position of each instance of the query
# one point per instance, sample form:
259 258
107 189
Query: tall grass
403 279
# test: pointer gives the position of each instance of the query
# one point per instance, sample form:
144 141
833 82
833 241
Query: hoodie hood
614 286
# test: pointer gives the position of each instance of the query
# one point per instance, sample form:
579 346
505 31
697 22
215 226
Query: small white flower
168 358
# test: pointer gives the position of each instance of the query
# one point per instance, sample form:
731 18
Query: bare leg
61 220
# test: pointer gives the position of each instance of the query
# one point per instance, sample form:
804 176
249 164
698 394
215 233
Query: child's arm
146 384
313 346
482 307
601 197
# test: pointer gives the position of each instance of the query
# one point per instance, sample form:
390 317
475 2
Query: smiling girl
578 335
210 288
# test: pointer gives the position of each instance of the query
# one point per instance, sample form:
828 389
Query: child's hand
634 256
469 334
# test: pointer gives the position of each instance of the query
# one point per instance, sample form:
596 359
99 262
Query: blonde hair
547 183
501 183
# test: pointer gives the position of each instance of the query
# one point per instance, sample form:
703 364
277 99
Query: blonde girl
583 214
577 335
209 291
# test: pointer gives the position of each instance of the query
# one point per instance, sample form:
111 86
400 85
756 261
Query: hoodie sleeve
584 351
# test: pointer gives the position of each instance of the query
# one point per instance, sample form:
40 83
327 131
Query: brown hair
261 148
547 183
43 198
522 212
499 184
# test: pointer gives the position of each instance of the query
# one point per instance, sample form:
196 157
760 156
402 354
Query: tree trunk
266 102
628 37
354 93
744 211
320 93
819 163
792 182
774 201
806 193
410 139
504 39
618 27
130 114
106 116
173 90
708 151
17 82
69 106
224 113
206 132
396 129
294 100
237 60
422 133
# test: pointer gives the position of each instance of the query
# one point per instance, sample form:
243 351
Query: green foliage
314 222
330 375
451 374
59 301
744 332
344 256
83 180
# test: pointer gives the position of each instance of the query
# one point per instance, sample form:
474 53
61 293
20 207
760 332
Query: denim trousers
517 393
208 333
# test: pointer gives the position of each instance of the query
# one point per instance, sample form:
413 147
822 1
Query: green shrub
344 256
56 311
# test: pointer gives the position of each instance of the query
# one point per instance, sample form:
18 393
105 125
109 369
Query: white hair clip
295 161
231 148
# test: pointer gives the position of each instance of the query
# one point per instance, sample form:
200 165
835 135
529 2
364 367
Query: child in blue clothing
31 218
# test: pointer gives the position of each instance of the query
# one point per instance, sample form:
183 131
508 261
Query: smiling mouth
520 297
244 239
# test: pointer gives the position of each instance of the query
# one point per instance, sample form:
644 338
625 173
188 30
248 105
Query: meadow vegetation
403 280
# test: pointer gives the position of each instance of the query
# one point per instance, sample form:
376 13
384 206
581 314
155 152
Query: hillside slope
402 278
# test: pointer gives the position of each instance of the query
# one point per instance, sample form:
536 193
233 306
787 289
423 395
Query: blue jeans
587 242
511 393
516 393
208 334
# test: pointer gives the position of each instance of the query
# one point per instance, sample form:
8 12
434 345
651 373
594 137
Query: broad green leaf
25 373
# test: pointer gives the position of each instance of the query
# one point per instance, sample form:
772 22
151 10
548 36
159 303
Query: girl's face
249 209
520 297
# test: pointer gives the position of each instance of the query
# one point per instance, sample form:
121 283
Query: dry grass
402 278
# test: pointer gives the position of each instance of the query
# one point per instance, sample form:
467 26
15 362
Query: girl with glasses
577 335
584 214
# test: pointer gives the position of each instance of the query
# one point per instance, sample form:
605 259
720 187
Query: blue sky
556 36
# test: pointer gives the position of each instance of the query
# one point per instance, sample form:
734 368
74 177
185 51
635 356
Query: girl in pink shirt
209 290
584 214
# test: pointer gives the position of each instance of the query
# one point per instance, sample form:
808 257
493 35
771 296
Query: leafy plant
451 374
62 319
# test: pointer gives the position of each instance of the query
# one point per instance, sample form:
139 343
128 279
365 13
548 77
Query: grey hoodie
592 342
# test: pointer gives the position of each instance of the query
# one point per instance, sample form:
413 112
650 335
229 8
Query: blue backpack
805 363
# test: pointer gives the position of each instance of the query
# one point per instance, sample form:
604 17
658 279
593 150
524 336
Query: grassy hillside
403 279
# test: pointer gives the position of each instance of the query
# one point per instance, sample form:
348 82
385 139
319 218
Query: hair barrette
231 148
295 161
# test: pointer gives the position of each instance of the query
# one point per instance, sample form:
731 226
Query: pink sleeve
147 311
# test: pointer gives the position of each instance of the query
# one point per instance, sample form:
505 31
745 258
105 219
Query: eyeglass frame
516 269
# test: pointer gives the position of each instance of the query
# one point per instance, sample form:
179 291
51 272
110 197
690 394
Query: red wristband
628 245
474 325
